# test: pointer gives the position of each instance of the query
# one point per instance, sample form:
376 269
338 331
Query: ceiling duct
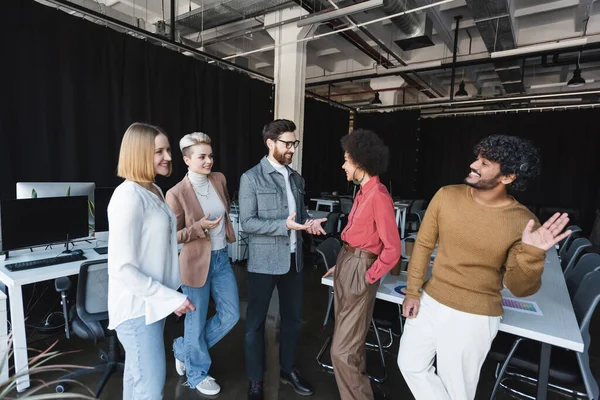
494 21
225 12
416 29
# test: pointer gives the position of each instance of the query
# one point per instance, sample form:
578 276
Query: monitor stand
67 251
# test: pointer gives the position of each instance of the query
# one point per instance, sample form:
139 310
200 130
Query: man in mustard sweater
486 239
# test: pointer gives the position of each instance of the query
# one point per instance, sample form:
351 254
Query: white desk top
52 272
557 326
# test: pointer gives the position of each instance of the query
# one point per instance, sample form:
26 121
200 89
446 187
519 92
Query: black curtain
400 132
70 88
322 155
568 141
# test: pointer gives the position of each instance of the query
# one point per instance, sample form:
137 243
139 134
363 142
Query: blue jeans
201 334
145 372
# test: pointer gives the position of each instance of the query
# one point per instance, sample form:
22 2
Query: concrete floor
228 366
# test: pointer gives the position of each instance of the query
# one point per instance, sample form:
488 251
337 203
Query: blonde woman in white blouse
143 272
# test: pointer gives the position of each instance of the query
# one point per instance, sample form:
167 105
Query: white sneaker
180 367
208 386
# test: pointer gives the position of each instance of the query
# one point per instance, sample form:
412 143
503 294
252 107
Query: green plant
38 365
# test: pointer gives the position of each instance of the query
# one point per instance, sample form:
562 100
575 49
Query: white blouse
143 268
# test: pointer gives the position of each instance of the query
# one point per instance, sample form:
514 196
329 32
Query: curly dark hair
514 154
367 151
274 129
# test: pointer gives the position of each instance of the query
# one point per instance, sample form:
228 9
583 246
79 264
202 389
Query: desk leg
403 222
543 372
17 319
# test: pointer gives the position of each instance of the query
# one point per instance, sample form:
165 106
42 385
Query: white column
290 71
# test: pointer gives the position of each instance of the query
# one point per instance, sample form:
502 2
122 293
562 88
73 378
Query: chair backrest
566 243
586 264
585 303
346 204
573 253
329 250
416 205
92 291
330 226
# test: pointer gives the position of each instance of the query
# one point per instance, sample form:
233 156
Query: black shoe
256 391
300 385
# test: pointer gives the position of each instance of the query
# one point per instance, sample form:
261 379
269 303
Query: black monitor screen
102 197
34 222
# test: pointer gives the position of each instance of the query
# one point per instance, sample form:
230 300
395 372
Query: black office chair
564 244
566 367
573 253
90 320
587 263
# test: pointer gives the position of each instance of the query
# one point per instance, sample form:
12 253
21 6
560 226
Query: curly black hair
514 154
367 151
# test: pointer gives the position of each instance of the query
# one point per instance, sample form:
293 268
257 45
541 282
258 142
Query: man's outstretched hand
547 235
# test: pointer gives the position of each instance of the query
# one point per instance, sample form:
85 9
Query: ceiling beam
584 9
545 7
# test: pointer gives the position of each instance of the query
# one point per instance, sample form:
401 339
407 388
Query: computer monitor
42 221
28 190
102 196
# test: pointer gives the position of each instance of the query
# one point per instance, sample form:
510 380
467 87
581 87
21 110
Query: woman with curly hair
371 248
486 239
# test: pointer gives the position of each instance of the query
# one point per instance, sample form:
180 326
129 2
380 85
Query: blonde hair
136 157
192 139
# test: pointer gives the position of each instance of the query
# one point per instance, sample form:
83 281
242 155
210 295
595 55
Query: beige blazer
194 259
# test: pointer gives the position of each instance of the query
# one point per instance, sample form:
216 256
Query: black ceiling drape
400 132
322 155
70 88
568 142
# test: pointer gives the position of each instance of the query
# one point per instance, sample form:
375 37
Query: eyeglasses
288 145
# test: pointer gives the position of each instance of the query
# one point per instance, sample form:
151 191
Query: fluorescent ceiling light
539 48
340 12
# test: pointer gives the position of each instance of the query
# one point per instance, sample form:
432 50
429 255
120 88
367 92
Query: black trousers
260 291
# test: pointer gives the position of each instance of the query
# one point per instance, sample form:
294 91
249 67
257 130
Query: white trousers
460 341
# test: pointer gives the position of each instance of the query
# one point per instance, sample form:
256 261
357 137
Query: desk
325 202
14 281
557 327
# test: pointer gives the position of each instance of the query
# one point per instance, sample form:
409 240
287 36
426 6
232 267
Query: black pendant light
376 99
576 80
461 92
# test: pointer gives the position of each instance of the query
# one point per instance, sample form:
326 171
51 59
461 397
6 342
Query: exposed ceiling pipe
374 91
494 100
351 37
510 110
454 54
314 37
407 23
439 65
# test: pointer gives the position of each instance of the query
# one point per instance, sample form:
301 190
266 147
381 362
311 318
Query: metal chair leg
505 365
329 304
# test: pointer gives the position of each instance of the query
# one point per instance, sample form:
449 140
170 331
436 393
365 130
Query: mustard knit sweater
479 247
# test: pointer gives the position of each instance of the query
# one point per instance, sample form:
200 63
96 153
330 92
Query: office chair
566 367
90 321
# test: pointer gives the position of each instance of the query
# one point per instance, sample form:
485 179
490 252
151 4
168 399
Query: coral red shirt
372 227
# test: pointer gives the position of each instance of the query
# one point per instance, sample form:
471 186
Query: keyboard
101 250
45 262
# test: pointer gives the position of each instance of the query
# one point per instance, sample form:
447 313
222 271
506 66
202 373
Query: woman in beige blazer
201 203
